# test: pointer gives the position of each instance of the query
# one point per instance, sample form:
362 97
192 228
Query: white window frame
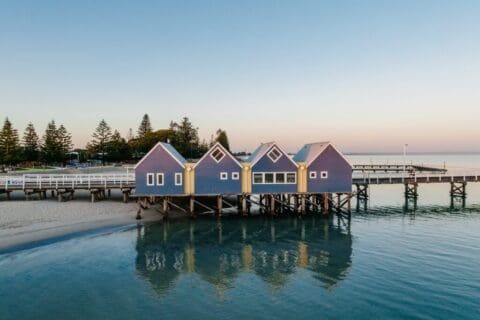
265 179
219 150
178 174
285 174
150 174
160 174
274 149
323 174
223 175
261 175
312 174
235 175
286 177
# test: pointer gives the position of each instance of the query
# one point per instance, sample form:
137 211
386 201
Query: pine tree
9 147
145 127
185 138
51 146
101 137
130 136
222 138
117 148
64 142
30 143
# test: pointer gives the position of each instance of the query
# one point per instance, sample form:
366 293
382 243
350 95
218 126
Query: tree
51 146
9 147
101 137
64 142
145 127
185 138
117 148
222 138
30 143
130 135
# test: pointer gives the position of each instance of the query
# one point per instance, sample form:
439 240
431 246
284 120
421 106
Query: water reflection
218 252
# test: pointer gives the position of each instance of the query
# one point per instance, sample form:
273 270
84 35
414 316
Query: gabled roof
170 150
309 152
219 145
262 150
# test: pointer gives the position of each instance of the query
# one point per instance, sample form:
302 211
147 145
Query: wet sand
23 222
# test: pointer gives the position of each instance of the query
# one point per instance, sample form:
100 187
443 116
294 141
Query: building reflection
219 252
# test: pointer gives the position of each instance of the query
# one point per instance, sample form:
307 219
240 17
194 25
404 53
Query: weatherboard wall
207 176
339 173
265 164
158 161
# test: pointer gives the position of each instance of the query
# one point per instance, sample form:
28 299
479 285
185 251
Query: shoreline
26 224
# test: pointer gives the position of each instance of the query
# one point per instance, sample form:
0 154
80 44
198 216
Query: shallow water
388 262
384 264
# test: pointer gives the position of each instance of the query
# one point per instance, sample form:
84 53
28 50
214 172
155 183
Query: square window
159 179
178 179
223 175
269 177
291 177
324 175
258 178
274 154
279 177
217 155
313 174
235 175
150 179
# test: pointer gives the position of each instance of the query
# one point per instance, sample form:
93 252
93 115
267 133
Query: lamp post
405 159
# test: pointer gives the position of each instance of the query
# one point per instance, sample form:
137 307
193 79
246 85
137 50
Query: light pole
405 159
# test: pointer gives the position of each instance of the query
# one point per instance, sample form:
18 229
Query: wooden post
139 210
272 204
192 206
302 203
109 193
326 205
244 205
219 205
52 193
165 207
92 196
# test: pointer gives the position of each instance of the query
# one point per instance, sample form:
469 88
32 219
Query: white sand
28 221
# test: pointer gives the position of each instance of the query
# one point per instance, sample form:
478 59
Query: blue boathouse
160 172
327 169
273 170
217 172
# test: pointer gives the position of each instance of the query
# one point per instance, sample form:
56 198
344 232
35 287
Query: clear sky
367 75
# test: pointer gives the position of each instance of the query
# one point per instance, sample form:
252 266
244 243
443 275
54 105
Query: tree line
55 146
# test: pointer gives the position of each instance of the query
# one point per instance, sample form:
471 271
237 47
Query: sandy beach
23 222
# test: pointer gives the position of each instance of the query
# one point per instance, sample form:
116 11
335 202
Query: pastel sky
367 75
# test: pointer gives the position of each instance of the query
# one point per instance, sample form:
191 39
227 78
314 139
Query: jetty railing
67 181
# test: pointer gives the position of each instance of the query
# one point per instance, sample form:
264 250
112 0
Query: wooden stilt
219 205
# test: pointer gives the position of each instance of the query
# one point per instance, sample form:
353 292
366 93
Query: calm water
387 263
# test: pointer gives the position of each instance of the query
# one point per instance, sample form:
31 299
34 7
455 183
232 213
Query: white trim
235 175
150 174
219 150
272 150
325 148
271 145
323 174
160 174
218 144
285 173
312 174
178 174
223 175
155 147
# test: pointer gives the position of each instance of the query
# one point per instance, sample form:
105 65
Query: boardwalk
98 184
